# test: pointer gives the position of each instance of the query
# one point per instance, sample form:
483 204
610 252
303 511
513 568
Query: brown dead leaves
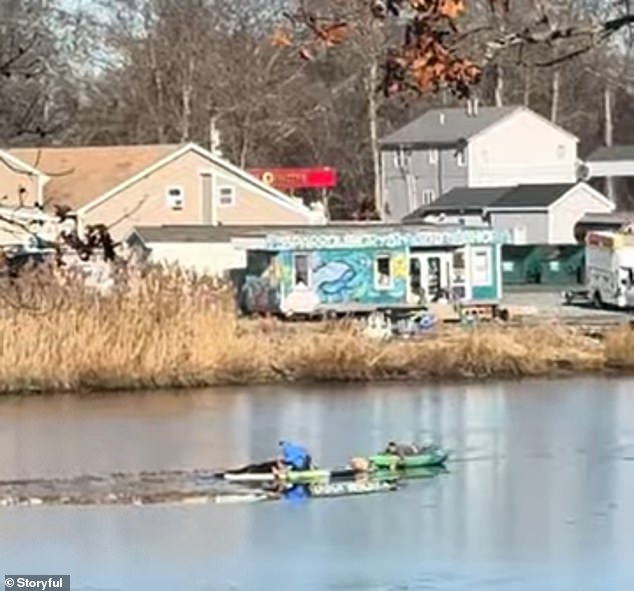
424 62
322 35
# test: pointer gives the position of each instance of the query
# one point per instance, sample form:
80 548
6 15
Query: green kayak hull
408 473
434 457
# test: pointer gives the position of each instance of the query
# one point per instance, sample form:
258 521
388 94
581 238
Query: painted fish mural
333 277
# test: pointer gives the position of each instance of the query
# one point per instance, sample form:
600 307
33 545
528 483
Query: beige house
126 186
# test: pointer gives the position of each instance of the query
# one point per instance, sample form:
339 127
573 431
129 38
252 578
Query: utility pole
609 136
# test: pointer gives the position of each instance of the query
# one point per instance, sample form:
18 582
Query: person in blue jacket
293 457
296 492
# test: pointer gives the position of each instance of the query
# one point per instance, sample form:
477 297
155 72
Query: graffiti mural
341 276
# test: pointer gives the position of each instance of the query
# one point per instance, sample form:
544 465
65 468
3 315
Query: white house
472 147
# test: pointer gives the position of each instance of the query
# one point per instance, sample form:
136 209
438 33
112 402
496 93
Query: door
207 196
429 275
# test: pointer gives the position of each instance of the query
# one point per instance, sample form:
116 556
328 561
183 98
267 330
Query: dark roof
200 233
532 195
457 125
614 219
187 233
461 199
611 153
466 199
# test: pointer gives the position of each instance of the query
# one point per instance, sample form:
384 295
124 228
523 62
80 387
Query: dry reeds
170 329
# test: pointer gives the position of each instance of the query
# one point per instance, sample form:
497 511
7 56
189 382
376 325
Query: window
226 196
402 158
428 196
461 158
458 267
561 151
383 271
175 198
301 270
433 156
481 267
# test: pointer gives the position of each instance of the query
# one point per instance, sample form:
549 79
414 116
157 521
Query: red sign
296 178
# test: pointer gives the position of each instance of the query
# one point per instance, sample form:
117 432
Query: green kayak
430 456
408 473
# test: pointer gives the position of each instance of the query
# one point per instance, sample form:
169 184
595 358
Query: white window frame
461 159
561 151
432 157
309 273
402 158
486 279
168 197
429 196
219 195
377 284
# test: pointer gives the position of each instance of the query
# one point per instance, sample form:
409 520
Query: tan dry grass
171 330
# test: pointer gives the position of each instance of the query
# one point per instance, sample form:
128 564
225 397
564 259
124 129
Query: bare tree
37 92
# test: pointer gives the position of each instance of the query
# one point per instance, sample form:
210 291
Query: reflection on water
539 495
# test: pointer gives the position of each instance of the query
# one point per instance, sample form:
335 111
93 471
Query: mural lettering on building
388 240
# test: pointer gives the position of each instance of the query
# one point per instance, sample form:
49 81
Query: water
539 497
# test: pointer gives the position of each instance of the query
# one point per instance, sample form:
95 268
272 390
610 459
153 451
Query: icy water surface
539 496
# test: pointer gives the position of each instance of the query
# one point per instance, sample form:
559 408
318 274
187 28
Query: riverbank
168 334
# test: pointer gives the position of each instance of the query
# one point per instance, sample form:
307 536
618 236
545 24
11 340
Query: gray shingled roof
615 218
461 199
428 128
196 233
464 199
532 195
611 153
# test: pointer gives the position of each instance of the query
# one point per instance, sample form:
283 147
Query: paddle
262 468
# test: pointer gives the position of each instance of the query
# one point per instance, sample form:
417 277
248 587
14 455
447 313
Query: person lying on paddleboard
293 457
402 449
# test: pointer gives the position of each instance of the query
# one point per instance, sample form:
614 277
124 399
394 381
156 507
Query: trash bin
520 264
562 264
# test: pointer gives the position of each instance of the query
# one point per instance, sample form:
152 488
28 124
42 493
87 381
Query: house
474 147
204 249
610 161
124 186
362 267
535 214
